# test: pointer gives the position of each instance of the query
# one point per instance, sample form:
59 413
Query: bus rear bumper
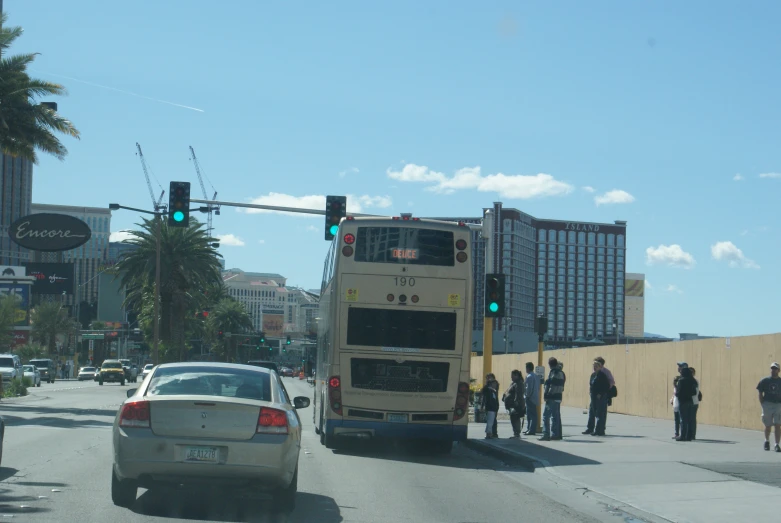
384 429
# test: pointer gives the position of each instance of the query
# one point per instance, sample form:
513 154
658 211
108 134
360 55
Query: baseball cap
683 364
774 365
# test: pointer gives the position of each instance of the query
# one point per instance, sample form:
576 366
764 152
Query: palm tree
188 264
229 316
49 320
25 124
8 308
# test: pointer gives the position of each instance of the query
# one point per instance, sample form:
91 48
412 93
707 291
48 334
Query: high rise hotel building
573 272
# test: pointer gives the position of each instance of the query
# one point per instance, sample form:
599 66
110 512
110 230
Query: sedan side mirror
300 402
130 392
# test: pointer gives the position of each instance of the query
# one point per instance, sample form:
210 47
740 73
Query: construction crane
212 208
157 204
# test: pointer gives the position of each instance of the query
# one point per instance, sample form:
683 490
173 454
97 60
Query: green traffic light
493 307
334 229
178 216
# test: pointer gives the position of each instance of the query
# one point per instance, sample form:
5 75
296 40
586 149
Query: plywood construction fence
728 370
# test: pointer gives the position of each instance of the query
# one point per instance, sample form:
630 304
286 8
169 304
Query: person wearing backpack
514 402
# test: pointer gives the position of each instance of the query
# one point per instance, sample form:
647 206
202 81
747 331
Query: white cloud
729 252
744 232
614 196
312 228
770 175
351 170
671 255
261 242
648 285
230 240
673 288
410 204
738 177
589 189
120 236
317 202
515 186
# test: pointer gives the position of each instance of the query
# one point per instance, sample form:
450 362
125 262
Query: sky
664 114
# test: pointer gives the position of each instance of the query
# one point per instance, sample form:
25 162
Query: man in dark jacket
685 391
553 394
599 386
513 401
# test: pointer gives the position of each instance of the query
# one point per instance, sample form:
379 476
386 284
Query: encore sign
49 232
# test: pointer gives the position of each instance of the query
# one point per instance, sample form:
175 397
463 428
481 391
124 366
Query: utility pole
159 232
488 322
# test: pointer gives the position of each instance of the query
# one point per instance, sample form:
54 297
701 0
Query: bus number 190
404 281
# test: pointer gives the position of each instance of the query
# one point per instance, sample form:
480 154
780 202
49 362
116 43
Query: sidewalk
722 476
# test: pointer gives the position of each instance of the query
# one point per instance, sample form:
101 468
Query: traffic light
287 341
220 335
262 338
335 210
494 295
179 204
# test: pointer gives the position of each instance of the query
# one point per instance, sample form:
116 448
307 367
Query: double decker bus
394 332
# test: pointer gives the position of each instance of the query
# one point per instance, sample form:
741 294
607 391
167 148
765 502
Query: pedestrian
674 399
685 392
770 399
599 387
490 397
554 391
613 390
696 399
532 400
612 387
514 402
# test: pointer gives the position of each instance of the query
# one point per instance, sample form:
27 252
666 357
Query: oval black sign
49 232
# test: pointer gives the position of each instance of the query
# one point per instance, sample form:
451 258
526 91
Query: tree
25 124
228 316
188 266
50 320
8 307
30 351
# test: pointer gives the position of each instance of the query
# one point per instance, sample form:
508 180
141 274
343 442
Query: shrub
16 388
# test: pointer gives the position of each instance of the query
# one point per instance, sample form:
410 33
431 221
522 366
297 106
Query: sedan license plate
201 454
397 418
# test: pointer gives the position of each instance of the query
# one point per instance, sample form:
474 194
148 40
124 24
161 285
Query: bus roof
406 221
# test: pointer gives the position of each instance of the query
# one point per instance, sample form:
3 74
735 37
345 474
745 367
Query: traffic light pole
488 322
158 233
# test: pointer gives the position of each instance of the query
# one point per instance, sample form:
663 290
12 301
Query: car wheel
123 492
122 383
39 384
100 382
285 499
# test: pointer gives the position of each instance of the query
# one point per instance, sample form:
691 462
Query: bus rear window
401 328
405 245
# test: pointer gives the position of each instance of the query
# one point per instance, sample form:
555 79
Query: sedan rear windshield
28 368
211 381
111 365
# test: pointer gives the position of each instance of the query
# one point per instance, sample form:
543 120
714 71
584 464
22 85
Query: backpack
613 393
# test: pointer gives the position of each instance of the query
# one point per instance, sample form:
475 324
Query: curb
504 455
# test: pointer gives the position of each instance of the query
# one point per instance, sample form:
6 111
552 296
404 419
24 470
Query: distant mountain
652 335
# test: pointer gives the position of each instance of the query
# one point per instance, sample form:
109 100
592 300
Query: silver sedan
208 424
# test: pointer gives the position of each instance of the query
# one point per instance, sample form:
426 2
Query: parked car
147 369
87 373
10 367
131 370
46 367
111 371
31 371
204 423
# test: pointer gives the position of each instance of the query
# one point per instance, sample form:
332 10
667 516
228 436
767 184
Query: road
57 464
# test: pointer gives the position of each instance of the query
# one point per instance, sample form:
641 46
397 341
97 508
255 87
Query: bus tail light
462 401
335 394
349 239
347 251
461 245
461 257
414 298
391 297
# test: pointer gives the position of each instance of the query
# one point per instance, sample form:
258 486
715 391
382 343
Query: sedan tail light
136 415
272 421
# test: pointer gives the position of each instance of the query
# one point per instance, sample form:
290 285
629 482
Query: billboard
11 271
51 278
273 324
22 293
634 288
49 232
20 338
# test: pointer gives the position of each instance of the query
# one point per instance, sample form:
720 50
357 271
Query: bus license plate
201 454
397 418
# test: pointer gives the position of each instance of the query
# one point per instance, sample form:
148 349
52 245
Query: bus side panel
383 429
